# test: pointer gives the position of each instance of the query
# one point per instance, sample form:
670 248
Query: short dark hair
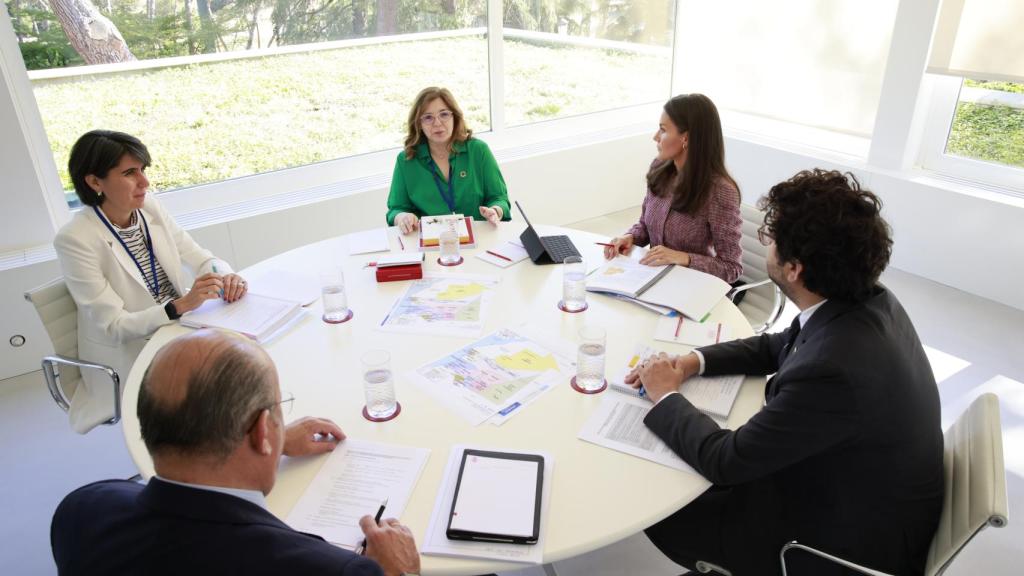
705 157
96 152
220 406
834 228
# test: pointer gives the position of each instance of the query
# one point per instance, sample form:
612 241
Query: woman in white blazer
123 259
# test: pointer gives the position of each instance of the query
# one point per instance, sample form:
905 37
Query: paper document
679 288
682 330
443 304
625 275
258 317
436 542
373 240
356 478
286 285
504 255
494 377
432 226
712 395
618 423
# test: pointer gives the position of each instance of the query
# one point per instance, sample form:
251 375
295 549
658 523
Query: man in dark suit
210 413
846 455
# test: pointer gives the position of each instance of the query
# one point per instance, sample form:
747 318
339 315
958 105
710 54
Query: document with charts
446 305
494 377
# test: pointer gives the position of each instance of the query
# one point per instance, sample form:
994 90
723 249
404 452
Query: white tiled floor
975 345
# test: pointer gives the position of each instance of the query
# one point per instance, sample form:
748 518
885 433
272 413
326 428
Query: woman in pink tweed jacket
691 214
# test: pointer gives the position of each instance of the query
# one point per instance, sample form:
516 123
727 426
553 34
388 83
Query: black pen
376 520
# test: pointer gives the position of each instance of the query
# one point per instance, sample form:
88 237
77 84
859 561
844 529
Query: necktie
794 331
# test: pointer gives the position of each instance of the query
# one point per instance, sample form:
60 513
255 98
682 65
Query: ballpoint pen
376 520
220 291
502 256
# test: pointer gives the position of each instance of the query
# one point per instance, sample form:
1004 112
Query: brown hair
705 157
460 133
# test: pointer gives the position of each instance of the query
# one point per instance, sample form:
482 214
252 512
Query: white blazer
116 312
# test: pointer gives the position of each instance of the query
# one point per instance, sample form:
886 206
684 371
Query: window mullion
496 64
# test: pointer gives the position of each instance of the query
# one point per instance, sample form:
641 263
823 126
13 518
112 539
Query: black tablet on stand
547 249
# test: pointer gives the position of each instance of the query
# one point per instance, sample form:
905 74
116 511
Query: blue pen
220 291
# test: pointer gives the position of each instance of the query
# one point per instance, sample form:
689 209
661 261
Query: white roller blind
980 39
813 62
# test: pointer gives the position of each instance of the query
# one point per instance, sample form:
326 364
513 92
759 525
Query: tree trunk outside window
91 34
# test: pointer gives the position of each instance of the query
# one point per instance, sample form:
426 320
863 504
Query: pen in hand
220 291
376 520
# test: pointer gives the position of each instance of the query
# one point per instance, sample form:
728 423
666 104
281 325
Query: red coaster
561 306
398 410
461 260
342 321
582 391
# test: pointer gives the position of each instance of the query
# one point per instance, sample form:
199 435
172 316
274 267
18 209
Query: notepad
497 498
256 316
432 226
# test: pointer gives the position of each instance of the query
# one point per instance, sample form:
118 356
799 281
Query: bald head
201 393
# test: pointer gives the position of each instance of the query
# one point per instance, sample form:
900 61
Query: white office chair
59 314
763 301
975 495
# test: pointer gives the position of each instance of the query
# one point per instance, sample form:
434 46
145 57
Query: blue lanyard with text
154 288
448 198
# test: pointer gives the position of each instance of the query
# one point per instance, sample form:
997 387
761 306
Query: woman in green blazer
443 169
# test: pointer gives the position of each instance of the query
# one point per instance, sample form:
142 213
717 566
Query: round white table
598 495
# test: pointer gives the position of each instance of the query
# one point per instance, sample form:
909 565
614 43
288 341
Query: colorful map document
494 377
448 305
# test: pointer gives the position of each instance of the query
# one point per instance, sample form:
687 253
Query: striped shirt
134 237
711 236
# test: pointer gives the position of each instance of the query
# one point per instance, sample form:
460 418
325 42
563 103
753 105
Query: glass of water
379 386
574 285
332 289
449 245
590 361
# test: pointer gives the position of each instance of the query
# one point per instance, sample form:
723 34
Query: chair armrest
748 286
49 365
846 563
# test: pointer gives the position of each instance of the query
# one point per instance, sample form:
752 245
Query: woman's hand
206 287
493 214
234 287
659 256
619 245
407 222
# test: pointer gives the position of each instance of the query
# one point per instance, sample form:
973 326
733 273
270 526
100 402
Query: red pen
370 265
680 325
605 244
502 256
400 243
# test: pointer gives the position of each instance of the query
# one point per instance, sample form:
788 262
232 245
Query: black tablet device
497 498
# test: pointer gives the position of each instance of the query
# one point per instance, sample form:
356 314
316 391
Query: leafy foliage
989 133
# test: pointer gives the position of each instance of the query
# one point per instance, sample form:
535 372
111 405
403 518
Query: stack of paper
504 255
684 290
432 226
681 330
256 316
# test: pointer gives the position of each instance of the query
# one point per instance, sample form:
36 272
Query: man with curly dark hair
846 454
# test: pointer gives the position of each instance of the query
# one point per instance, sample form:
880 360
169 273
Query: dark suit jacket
846 455
120 527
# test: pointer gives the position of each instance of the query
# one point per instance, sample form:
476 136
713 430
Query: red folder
395 273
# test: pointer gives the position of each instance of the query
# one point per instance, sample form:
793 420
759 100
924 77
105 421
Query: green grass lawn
209 122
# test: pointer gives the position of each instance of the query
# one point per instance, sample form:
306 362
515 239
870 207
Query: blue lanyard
154 288
448 198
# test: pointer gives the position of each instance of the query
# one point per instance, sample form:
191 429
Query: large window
574 57
220 89
988 124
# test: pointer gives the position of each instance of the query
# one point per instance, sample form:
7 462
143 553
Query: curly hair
834 228
414 130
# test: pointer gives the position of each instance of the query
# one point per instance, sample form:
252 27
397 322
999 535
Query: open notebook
686 291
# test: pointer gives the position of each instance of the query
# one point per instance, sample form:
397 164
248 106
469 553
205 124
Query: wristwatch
171 311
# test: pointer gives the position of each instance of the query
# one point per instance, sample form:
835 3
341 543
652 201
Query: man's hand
392 545
310 435
660 255
491 213
407 222
663 374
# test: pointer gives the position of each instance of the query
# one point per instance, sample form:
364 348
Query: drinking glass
449 245
574 285
379 386
332 289
590 361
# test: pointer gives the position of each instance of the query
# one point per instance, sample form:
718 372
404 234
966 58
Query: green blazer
478 182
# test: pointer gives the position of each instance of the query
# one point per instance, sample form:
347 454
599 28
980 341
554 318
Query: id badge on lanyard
154 287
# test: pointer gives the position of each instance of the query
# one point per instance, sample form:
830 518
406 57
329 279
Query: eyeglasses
444 116
286 402
764 236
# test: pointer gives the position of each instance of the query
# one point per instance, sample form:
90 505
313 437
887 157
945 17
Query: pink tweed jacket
711 237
